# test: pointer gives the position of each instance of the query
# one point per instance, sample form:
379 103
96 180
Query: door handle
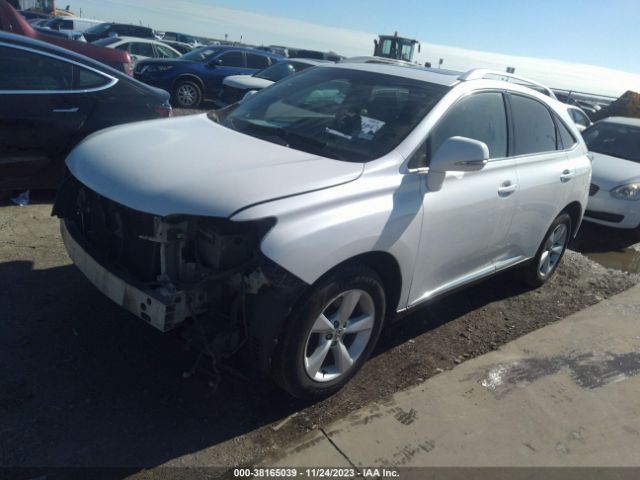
507 188
566 176
66 110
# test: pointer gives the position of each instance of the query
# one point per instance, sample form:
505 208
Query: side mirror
456 154
214 63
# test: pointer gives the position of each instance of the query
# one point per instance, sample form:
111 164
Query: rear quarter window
567 140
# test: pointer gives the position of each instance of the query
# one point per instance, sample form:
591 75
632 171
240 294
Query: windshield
335 112
617 140
280 70
98 29
201 54
53 22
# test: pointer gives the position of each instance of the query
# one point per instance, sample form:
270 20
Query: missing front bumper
159 306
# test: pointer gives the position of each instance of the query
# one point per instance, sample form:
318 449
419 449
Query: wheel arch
189 76
574 209
388 269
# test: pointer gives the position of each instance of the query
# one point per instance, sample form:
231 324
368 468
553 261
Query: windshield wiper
288 136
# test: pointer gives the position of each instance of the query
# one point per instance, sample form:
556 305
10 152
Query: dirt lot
83 383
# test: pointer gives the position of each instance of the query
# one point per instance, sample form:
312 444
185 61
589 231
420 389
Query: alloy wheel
553 248
339 335
187 95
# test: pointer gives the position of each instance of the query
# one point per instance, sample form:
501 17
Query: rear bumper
158 306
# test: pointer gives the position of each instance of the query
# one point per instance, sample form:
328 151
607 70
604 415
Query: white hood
246 82
191 165
610 172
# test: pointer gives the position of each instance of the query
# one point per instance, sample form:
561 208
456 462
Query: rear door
545 173
42 112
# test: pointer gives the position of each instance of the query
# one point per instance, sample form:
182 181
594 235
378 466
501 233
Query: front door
466 221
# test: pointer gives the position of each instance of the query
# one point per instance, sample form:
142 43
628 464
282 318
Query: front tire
550 252
330 334
187 94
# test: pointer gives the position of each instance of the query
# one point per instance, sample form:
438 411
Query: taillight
164 110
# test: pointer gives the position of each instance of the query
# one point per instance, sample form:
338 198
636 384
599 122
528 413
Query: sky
587 45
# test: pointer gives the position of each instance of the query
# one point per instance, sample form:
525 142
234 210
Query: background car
72 23
182 38
235 87
50 99
12 21
198 75
70 34
179 46
614 196
30 15
580 118
139 48
104 30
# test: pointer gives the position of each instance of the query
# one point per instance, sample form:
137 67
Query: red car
11 21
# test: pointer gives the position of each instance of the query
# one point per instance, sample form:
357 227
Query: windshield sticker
370 127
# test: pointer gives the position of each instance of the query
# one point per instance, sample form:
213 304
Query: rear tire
187 94
330 334
537 272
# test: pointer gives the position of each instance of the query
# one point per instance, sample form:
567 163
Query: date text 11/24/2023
315 472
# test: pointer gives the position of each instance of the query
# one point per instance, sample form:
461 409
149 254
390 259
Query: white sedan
139 48
235 87
614 196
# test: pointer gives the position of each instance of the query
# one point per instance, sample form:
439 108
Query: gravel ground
83 383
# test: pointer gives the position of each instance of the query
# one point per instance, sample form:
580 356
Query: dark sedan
50 99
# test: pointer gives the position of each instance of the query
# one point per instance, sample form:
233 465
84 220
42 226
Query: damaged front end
168 270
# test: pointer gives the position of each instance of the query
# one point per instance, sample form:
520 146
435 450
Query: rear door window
232 59
535 130
141 48
257 61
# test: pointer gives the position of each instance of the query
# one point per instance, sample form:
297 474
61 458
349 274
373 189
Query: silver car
290 228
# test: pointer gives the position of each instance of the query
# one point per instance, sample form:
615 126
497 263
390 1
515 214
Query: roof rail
372 59
481 73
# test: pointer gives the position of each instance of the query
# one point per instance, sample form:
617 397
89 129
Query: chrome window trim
112 80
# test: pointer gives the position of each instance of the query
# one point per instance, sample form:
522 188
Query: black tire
187 94
288 367
532 273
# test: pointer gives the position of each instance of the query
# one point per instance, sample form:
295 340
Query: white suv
288 228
